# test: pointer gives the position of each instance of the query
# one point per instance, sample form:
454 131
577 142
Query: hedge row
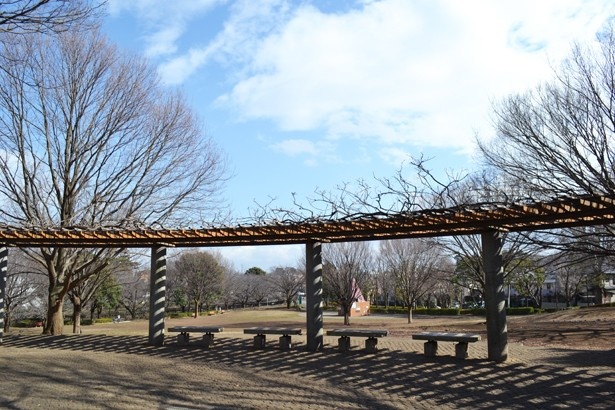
450 312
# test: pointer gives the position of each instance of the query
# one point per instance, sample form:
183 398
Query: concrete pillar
157 295
208 340
285 342
4 257
313 289
183 339
495 297
430 348
461 350
371 345
343 344
260 341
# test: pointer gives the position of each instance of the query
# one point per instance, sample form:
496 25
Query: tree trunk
7 320
346 313
409 313
196 308
77 315
288 301
54 324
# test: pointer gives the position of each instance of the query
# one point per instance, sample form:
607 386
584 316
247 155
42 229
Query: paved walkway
122 372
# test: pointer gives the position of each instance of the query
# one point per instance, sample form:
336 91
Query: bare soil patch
558 360
592 328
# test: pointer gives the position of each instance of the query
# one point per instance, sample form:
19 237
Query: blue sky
307 94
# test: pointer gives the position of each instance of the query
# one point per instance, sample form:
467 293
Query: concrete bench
261 332
462 339
371 336
184 334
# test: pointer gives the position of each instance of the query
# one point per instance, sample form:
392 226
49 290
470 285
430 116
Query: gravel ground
112 367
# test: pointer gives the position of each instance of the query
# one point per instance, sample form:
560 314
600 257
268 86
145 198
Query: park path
95 371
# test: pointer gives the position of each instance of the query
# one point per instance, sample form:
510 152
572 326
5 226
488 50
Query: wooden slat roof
462 220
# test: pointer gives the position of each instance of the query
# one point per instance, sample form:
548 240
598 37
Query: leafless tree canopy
40 16
558 138
88 138
416 264
346 272
287 281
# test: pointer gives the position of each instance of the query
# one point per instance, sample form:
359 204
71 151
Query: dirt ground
563 360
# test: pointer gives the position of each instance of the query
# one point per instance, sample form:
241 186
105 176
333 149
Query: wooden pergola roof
462 220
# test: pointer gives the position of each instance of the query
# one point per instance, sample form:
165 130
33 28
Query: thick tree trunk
55 316
409 313
77 315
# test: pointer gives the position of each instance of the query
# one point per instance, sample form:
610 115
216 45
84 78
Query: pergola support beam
495 297
313 289
157 295
4 257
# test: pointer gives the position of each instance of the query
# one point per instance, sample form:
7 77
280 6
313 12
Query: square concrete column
208 340
260 341
461 350
4 258
313 288
430 348
183 339
371 345
343 344
495 297
157 295
285 342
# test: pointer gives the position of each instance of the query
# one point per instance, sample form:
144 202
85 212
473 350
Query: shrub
440 312
27 323
176 315
391 310
520 311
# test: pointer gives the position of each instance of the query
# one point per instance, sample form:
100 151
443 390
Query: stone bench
462 339
371 336
261 332
184 334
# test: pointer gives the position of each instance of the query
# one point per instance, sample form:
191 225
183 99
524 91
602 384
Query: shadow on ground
393 378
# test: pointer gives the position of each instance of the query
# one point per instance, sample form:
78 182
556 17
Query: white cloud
394 155
397 72
164 22
406 72
295 147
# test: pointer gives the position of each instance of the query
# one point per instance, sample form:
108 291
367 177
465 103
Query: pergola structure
489 220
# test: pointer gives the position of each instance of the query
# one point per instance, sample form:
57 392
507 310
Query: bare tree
135 291
261 288
557 139
91 278
90 139
417 266
570 278
43 16
384 282
201 277
22 285
346 269
288 281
